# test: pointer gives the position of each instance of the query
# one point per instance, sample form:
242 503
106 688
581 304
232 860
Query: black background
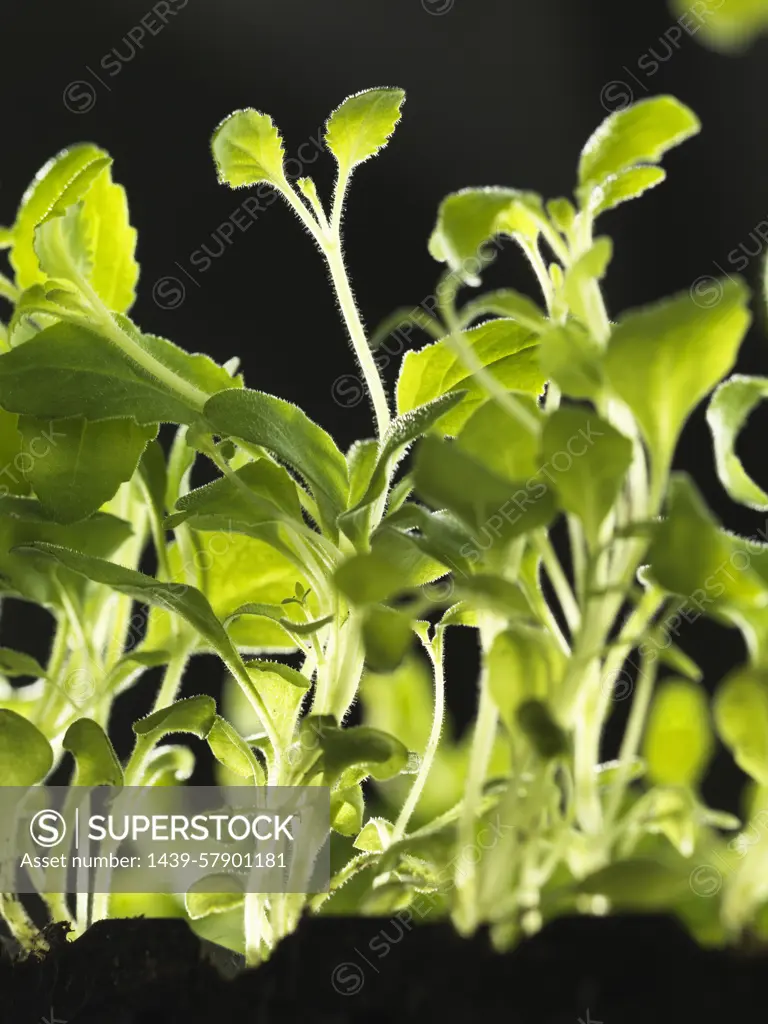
499 92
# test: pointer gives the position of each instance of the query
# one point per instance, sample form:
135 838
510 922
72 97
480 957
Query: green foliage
521 491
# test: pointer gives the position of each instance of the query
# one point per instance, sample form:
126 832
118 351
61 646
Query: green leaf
690 556
195 715
375 837
506 349
524 665
640 134
535 720
590 266
247 148
387 637
25 754
233 570
23 521
664 359
95 758
400 434
273 496
290 434
368 578
357 751
468 219
282 690
227 896
637 884
168 765
185 601
11 457
91 240
16 663
620 188
86 463
67 371
726 26
587 460
728 411
362 125
741 717
67 177
231 750
347 809
492 508
678 738
501 444
505 302
572 358
113 243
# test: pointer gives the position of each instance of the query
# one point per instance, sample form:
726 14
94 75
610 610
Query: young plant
526 416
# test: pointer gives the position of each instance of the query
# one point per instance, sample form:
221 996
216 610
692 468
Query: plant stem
465 910
435 652
362 350
19 923
558 580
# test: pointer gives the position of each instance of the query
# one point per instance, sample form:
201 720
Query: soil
623 970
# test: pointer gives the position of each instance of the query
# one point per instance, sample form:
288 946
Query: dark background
499 92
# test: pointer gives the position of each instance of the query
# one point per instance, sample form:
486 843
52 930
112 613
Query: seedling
524 415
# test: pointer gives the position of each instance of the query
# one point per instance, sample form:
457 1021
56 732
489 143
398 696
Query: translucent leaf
247 148
690 556
638 884
194 715
399 435
491 507
68 175
506 349
227 896
287 432
168 766
728 411
85 465
282 690
16 663
572 358
501 444
505 302
347 809
387 637
96 762
357 751
586 461
25 754
231 750
664 359
524 665
185 601
66 371
375 837
468 219
678 738
640 134
728 26
741 717
362 125
620 188
273 495
536 721
23 520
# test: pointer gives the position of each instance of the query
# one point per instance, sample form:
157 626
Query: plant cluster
314 573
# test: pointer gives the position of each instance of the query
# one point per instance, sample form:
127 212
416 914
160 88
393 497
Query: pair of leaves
247 147
614 164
